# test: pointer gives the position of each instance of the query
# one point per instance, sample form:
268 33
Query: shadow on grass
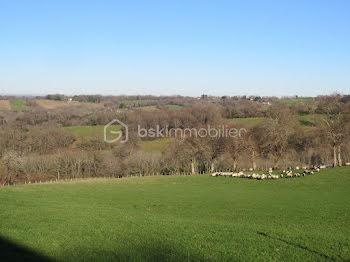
147 251
12 252
297 246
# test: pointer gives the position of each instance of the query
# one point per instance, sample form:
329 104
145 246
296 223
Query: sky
175 47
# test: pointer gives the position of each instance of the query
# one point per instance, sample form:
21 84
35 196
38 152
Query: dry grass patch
52 104
5 105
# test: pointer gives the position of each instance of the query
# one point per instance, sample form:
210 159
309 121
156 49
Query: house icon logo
108 131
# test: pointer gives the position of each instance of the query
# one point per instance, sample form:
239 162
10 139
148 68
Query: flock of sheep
285 174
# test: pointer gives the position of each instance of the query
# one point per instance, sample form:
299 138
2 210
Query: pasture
88 131
157 145
299 100
248 121
17 105
174 107
181 218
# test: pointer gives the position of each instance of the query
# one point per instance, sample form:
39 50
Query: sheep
297 168
269 175
234 175
289 174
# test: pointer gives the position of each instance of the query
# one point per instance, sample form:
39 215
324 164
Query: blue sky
175 47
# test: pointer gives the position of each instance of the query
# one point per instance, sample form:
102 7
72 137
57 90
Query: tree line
34 147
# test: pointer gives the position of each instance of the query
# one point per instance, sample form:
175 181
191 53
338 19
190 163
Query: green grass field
299 100
311 120
182 218
174 107
157 145
17 105
86 131
249 121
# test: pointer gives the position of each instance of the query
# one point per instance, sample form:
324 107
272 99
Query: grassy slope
85 131
183 218
175 107
300 100
157 145
17 105
249 121
311 119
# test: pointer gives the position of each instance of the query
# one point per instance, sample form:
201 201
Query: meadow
86 131
157 145
299 100
17 105
247 121
181 218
